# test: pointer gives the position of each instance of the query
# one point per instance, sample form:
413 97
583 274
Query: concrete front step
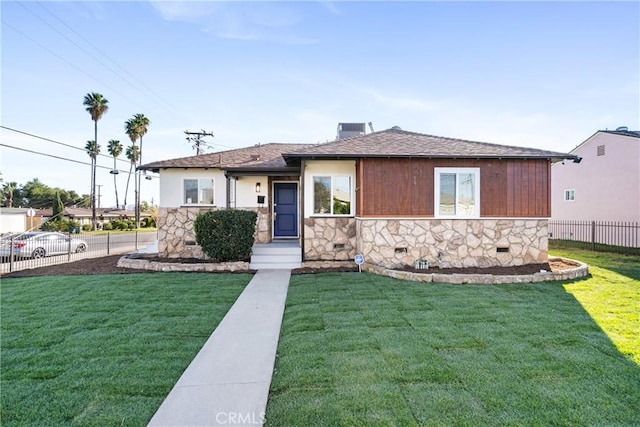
269 258
274 265
277 249
280 255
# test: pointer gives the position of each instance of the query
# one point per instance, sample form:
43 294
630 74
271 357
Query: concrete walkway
228 381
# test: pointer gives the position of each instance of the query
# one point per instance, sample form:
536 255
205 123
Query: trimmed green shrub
107 226
61 225
226 235
148 222
119 224
86 227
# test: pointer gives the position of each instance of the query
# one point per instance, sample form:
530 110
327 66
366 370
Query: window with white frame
198 191
457 192
569 195
332 195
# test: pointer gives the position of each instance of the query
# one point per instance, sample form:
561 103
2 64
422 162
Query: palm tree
96 106
93 150
133 154
136 127
115 149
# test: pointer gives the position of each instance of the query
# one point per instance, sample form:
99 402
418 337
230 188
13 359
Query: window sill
331 216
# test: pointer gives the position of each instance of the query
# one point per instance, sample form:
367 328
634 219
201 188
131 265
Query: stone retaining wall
177 239
582 270
143 264
393 243
329 239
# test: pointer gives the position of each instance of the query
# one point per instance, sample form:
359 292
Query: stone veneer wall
453 243
176 238
322 234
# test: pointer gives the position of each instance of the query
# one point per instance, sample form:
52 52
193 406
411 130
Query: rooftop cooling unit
348 130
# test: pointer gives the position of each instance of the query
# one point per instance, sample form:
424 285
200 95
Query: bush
61 225
118 224
107 226
86 227
226 235
148 222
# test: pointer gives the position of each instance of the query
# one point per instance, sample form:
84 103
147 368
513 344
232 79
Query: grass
359 349
611 296
103 350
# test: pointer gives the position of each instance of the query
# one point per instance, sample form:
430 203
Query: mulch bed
108 265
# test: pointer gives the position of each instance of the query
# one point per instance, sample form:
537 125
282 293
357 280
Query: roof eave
261 171
550 156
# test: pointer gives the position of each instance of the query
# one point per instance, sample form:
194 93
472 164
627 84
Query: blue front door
285 209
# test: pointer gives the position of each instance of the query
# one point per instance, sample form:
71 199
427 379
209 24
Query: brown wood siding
405 187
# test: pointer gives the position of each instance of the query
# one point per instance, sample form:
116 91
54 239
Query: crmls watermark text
240 418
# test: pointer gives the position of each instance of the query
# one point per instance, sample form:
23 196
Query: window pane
321 194
342 195
447 194
190 191
206 191
466 194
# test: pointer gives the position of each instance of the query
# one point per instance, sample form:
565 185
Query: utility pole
196 139
99 194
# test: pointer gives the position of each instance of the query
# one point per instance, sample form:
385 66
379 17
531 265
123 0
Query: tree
58 208
9 194
115 149
38 195
136 127
133 154
96 106
93 149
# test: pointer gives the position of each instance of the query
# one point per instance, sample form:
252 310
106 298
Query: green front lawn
103 350
359 349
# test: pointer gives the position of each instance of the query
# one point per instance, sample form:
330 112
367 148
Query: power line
69 63
64 158
59 143
136 87
141 83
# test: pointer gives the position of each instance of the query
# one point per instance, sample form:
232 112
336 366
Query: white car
39 245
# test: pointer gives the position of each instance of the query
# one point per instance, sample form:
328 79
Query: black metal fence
20 253
612 236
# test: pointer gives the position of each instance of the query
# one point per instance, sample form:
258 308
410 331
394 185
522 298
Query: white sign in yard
359 259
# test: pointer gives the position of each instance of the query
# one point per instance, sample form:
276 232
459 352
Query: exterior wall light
257 187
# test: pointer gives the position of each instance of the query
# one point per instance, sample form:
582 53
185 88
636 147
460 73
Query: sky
541 74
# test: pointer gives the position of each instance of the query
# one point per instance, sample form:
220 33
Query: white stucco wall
326 168
172 187
607 188
12 223
246 195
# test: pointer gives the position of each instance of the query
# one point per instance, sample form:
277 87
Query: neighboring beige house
605 185
394 196
84 215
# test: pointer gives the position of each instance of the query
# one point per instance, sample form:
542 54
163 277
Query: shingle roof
387 143
400 143
631 133
267 156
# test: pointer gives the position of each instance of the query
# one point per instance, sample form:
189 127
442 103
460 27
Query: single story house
394 196
84 216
